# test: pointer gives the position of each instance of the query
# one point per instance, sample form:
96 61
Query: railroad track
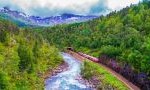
130 85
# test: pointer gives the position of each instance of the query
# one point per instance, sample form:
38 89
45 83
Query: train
89 57
141 80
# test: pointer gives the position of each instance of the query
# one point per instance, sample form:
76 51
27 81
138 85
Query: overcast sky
57 7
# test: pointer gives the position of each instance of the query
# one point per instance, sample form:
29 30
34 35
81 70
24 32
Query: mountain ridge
22 19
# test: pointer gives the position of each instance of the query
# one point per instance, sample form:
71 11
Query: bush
110 51
26 58
4 81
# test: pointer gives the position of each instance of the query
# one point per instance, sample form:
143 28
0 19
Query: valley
76 52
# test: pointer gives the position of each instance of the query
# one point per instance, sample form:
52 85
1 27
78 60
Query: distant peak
20 17
6 8
67 14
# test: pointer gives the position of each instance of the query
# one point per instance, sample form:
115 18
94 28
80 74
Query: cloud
57 7
119 4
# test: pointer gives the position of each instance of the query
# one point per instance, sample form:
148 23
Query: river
67 80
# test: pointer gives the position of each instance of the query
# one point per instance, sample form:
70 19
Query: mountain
21 19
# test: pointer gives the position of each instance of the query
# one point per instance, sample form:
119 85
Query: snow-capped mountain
22 19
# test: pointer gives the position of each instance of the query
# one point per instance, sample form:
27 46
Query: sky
58 7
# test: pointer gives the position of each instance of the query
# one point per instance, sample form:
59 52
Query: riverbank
92 83
61 68
69 79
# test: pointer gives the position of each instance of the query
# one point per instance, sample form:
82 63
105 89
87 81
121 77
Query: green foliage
4 82
110 51
122 35
3 36
24 58
87 71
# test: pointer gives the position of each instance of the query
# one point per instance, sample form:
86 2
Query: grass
93 69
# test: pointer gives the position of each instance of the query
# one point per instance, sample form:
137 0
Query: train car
89 57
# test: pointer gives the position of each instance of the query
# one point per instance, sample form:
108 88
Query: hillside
122 35
24 58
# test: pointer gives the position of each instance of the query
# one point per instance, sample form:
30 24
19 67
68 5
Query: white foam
67 79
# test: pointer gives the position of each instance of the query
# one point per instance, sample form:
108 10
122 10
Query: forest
122 35
26 53
24 58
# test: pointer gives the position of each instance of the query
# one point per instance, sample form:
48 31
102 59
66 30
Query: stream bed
67 80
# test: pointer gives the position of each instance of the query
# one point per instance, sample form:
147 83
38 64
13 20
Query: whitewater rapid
67 79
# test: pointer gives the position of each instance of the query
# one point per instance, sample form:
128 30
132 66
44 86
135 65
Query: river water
67 79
